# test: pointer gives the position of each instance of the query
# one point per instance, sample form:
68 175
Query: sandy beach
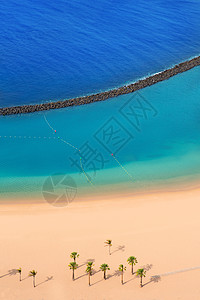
160 229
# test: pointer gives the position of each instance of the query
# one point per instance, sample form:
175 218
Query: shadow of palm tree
4 275
116 273
47 279
154 279
119 248
85 263
95 271
79 266
80 276
10 273
90 259
146 283
97 282
25 278
147 267
179 271
129 280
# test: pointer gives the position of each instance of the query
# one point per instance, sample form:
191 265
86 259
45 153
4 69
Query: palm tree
109 244
74 255
89 269
104 268
132 260
141 273
73 266
122 269
33 274
20 273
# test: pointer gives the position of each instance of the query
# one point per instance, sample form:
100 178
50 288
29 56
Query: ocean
141 141
60 49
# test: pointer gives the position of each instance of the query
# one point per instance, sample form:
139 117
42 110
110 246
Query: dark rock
140 84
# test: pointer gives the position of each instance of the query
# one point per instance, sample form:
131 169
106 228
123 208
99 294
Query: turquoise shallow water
153 134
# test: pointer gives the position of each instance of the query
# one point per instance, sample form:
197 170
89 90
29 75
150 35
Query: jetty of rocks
130 88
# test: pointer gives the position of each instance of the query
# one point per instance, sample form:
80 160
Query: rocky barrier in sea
140 84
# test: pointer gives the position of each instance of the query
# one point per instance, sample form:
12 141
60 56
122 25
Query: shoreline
106 195
42 237
126 89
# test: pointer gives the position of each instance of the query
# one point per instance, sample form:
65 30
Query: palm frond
73 265
32 273
108 242
132 260
104 267
141 272
74 255
89 266
122 268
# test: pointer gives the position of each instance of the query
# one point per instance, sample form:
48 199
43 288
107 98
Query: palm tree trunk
122 278
140 281
74 259
73 274
109 249
104 275
89 277
20 277
132 269
34 281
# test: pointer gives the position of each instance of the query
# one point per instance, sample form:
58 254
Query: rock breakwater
130 88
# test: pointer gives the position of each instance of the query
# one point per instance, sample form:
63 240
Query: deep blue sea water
57 49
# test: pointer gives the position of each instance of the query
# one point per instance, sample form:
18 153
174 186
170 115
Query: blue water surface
57 49
153 135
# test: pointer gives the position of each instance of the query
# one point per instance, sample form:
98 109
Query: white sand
161 230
